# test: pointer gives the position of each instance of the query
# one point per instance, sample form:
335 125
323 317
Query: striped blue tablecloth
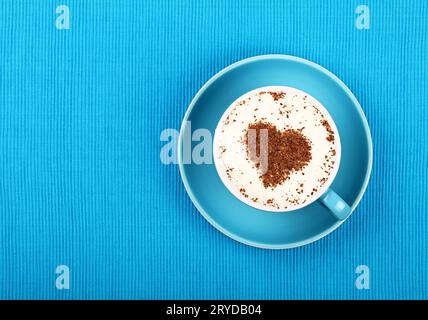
82 106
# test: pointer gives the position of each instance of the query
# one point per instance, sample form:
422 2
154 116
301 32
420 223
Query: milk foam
286 108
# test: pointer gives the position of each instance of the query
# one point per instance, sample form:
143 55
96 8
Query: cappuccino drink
277 148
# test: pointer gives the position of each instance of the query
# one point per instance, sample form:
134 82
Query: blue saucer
269 229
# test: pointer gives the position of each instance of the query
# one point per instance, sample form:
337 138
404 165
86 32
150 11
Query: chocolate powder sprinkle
288 151
277 95
330 133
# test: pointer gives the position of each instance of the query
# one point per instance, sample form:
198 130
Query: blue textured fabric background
81 182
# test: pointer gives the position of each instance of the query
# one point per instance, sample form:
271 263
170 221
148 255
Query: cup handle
338 207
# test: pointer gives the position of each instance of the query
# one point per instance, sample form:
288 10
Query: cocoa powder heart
288 151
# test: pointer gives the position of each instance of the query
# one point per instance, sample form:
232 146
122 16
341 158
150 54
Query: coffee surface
301 148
